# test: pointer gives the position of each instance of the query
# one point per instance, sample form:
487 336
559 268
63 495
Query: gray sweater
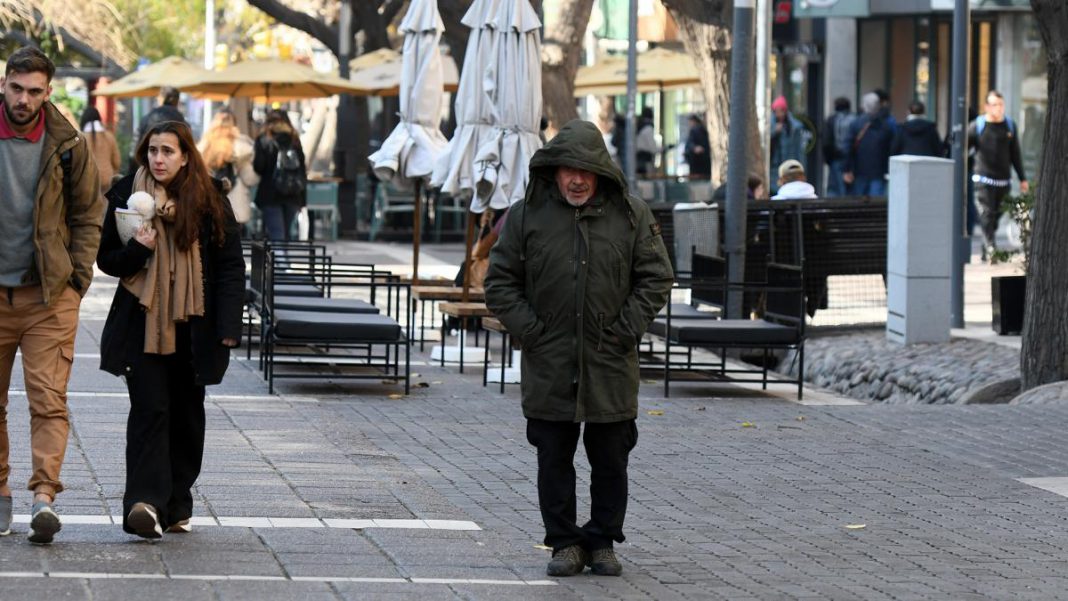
20 165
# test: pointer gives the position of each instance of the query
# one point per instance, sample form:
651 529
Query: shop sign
806 9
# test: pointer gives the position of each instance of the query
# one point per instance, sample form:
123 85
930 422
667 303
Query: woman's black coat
123 340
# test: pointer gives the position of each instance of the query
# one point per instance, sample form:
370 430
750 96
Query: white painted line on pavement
1056 485
242 577
278 522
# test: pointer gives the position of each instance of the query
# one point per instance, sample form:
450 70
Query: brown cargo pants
45 335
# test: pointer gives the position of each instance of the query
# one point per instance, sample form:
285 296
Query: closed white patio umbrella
455 172
407 156
513 84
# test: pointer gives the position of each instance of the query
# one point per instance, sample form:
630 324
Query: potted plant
1007 293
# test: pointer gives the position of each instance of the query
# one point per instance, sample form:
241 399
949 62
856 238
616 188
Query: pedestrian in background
997 154
103 146
792 182
868 161
836 143
50 213
228 156
645 144
578 273
696 152
788 137
166 110
918 135
174 318
279 161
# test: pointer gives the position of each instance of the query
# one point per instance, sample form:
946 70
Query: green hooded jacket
578 286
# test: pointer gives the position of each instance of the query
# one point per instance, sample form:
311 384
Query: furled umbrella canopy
379 72
410 150
513 84
455 172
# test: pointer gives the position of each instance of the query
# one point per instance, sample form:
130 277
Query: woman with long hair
228 156
174 318
279 161
103 145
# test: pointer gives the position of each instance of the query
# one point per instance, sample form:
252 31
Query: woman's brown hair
192 189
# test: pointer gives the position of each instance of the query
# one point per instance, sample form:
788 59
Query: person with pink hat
788 137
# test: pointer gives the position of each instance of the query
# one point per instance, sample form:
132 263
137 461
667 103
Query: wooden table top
446 293
471 309
494 324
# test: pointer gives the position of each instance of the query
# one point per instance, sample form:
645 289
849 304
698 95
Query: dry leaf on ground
396 395
747 425
655 412
856 526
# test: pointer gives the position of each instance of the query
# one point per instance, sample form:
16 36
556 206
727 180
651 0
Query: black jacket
869 155
123 339
918 137
264 161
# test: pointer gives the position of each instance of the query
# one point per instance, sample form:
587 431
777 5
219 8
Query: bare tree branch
325 33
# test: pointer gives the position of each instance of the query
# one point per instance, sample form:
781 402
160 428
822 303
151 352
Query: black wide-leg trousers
608 449
164 434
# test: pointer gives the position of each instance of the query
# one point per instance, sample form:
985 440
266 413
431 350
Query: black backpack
288 177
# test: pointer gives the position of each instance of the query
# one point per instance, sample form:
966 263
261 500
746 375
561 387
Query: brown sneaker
180 527
568 561
144 521
603 562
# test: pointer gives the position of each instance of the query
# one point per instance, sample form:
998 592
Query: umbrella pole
468 241
417 233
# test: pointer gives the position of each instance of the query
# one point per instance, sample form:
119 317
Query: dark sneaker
144 521
44 523
180 527
603 562
5 516
568 561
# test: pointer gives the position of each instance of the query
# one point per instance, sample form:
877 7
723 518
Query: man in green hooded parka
578 273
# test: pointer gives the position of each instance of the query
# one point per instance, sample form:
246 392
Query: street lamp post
630 153
737 170
959 129
209 51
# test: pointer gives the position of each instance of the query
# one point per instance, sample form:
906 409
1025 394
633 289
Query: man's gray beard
572 203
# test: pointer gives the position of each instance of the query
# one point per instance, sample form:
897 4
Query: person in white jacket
228 155
792 184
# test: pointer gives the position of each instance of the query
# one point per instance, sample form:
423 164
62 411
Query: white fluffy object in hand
143 203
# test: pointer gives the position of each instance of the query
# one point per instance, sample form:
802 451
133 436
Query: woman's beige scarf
171 286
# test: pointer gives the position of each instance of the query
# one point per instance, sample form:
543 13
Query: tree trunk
705 29
1044 351
560 53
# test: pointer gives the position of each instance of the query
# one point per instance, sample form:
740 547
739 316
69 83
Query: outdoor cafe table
462 311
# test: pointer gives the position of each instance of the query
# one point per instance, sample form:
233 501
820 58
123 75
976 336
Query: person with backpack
836 142
51 209
996 145
871 138
228 156
279 161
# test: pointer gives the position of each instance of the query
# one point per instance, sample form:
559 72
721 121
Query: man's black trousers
990 199
608 448
164 434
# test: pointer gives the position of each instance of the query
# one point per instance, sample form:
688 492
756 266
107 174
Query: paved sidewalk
336 491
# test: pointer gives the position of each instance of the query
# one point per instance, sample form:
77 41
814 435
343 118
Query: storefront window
1031 89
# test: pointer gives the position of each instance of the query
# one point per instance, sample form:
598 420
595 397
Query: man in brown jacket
51 211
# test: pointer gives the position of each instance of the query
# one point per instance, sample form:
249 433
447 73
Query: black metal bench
781 326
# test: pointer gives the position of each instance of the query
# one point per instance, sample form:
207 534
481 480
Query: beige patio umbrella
658 69
379 72
146 81
270 81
